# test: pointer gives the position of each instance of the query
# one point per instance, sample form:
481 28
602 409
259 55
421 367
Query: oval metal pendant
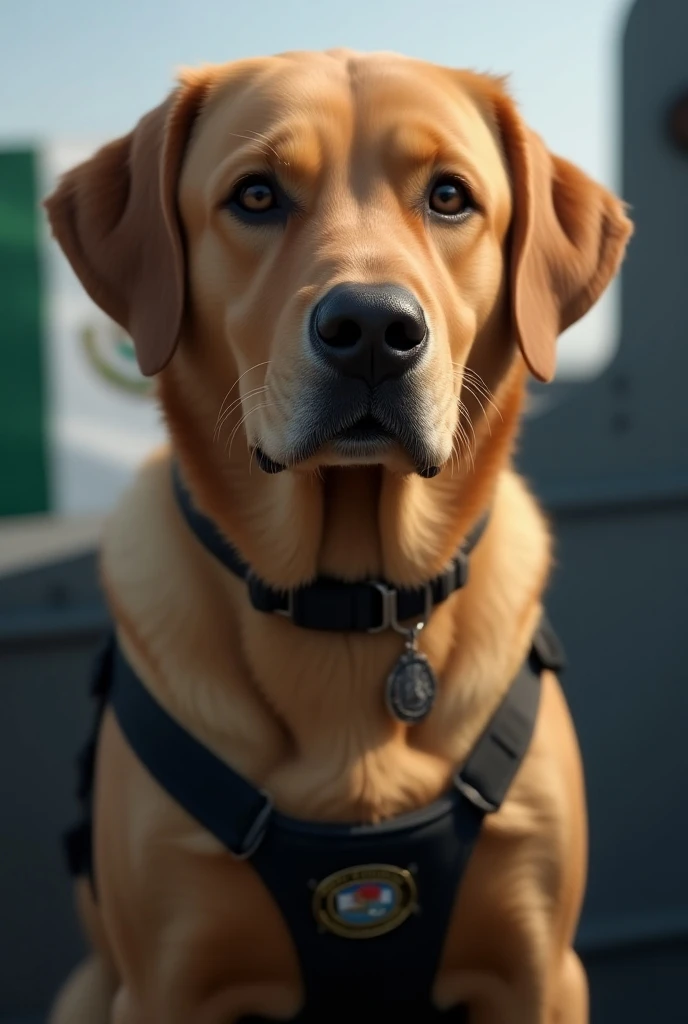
365 901
411 688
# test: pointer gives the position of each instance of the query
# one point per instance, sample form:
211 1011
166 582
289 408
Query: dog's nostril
339 333
348 334
403 335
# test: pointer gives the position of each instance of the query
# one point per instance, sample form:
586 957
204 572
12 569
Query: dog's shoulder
140 535
175 610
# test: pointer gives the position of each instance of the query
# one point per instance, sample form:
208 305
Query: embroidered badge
365 901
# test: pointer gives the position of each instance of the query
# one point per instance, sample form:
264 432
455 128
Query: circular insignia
111 354
365 901
411 688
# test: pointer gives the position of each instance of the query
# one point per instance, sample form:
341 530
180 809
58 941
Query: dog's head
353 239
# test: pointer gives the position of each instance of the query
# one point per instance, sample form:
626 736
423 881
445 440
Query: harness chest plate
365 901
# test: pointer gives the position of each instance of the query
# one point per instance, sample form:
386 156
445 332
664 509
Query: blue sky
88 69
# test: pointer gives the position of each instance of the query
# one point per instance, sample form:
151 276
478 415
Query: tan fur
299 712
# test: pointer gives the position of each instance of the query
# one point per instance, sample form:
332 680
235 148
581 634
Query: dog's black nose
369 331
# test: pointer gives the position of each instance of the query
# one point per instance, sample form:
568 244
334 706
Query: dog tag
411 687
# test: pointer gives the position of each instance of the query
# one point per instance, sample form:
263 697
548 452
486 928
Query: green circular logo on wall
110 352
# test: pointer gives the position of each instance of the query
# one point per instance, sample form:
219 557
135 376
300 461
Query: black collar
368 606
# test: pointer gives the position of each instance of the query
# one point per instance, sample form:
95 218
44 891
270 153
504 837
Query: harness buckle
473 796
256 833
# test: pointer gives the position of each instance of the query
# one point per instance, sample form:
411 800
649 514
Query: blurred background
605 447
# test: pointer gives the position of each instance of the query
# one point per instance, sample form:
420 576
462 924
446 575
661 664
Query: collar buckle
389 610
288 612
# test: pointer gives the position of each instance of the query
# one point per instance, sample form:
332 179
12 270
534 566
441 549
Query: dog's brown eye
259 200
256 196
448 197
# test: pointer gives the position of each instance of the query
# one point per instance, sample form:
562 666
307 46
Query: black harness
367 905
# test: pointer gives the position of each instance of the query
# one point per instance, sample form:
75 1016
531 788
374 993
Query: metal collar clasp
390 612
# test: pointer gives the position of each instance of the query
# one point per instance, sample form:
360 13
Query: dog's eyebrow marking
415 144
417 147
261 141
295 149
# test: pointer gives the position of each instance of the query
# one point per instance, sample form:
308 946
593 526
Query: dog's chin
366 442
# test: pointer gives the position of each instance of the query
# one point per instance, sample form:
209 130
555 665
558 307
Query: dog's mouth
367 432
360 436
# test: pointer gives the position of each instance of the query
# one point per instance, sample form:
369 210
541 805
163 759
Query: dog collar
327 603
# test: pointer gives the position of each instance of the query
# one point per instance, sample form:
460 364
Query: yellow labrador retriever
331 781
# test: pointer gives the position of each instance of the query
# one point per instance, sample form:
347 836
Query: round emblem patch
365 901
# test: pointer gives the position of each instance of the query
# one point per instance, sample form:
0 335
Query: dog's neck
352 523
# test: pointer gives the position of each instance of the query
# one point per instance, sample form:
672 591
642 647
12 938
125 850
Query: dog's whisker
451 463
468 371
266 405
466 441
457 451
478 389
463 435
253 449
464 409
478 384
237 402
482 407
237 427
223 403
240 377
234 406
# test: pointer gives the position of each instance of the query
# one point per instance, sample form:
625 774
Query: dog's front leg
491 999
570 996
227 1007
195 936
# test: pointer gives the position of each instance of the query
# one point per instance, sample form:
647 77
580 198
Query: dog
341 269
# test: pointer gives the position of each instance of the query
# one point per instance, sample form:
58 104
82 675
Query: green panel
23 475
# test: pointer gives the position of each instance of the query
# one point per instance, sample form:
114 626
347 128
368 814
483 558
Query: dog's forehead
341 97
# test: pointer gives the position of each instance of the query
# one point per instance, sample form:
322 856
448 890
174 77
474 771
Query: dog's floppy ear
568 237
115 217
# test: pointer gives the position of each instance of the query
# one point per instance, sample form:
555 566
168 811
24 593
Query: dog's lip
366 436
366 428
267 464
359 428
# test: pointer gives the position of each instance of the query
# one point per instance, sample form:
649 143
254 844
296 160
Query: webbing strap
237 812
489 771
328 603
486 776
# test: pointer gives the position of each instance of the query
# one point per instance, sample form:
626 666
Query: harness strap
489 771
78 841
238 813
221 799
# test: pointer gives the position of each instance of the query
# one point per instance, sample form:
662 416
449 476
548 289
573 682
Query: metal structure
610 461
